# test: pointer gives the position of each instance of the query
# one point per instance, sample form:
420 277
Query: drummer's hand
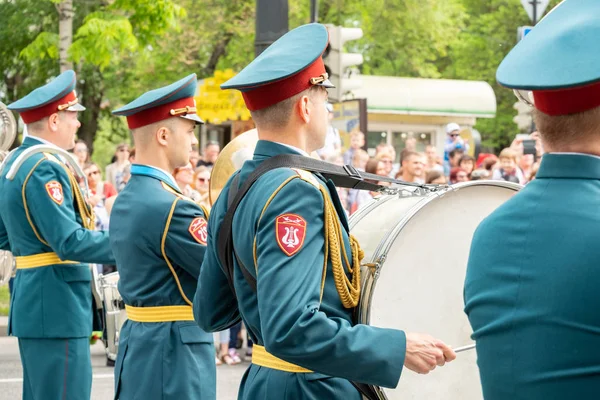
424 353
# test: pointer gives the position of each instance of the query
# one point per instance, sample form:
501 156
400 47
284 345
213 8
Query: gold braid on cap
186 110
62 107
319 79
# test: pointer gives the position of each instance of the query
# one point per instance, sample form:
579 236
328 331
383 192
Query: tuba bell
8 132
231 158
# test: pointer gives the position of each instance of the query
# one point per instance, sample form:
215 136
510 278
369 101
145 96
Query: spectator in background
202 185
413 167
490 163
454 157
82 153
194 156
337 159
467 163
357 141
99 189
126 177
453 142
114 171
508 170
435 177
526 162
209 157
184 176
410 143
386 156
360 159
101 198
458 174
357 198
333 142
480 174
533 173
432 159
482 157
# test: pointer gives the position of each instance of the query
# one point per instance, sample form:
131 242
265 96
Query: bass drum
417 245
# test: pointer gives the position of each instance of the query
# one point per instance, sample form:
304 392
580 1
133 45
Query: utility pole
314 10
534 4
271 23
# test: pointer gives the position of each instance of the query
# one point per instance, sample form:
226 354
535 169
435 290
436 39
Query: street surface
11 374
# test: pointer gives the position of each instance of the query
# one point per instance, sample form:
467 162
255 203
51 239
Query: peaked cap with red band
558 60
58 95
175 100
289 66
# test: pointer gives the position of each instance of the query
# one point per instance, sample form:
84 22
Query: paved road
11 374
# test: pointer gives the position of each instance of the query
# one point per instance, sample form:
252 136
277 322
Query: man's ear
162 135
53 122
303 109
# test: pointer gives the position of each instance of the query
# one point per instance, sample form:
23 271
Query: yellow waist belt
261 357
40 260
159 314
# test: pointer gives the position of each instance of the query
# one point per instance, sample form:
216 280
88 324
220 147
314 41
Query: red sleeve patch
55 192
290 230
199 230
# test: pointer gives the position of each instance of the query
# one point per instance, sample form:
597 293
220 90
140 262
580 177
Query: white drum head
420 284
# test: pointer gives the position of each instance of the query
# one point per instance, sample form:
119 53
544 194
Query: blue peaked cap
162 103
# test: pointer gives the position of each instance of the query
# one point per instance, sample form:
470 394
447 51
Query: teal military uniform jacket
531 289
159 241
287 314
52 301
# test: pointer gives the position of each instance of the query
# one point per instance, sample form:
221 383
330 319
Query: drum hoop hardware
375 267
413 191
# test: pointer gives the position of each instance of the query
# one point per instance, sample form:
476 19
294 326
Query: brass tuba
8 132
231 158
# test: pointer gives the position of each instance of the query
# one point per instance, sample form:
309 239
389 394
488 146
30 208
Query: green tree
106 35
476 53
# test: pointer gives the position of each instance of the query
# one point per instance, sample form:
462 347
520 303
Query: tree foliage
122 48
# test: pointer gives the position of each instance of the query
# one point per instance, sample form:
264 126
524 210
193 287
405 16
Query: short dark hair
455 152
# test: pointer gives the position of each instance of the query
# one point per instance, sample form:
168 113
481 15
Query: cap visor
76 107
193 117
326 84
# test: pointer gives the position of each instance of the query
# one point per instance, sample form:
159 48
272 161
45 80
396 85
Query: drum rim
384 246
361 212
382 249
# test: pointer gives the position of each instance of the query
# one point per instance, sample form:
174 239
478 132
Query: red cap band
567 101
266 95
159 113
46 110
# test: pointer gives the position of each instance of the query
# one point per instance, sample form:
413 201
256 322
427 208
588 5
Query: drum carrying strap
342 176
346 176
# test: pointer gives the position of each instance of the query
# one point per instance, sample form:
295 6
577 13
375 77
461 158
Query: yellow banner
216 106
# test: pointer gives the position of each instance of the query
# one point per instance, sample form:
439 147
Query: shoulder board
307 176
176 193
51 157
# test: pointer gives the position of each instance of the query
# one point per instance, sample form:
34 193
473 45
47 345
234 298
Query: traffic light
524 118
337 61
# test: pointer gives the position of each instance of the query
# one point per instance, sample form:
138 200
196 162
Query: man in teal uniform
159 240
290 232
47 225
531 290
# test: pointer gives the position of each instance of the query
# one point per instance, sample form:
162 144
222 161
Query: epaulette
51 157
307 176
176 193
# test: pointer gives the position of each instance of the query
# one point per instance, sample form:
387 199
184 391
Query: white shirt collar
304 153
39 139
